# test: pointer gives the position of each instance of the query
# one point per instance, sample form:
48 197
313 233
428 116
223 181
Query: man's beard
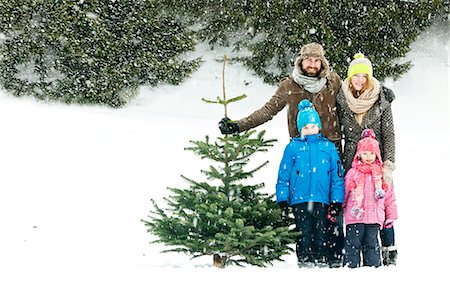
311 71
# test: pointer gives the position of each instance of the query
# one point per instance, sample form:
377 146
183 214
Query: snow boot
321 262
389 255
335 263
305 262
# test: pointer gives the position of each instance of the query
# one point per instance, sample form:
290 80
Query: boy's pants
336 242
310 221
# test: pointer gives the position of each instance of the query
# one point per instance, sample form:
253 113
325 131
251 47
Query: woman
364 103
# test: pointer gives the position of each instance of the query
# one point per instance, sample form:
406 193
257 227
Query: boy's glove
284 206
228 126
388 223
333 211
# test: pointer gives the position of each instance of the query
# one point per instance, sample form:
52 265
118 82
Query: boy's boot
321 262
335 263
389 255
305 262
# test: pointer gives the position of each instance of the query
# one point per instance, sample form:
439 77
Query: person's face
311 66
368 157
310 129
358 81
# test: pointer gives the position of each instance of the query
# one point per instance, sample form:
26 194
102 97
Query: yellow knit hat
360 65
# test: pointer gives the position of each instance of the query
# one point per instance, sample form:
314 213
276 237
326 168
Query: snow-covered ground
75 181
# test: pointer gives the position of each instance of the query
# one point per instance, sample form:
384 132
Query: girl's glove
388 223
379 194
357 212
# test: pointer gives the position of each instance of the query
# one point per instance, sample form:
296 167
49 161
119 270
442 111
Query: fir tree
97 51
272 32
234 222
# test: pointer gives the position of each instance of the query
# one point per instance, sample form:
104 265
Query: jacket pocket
294 185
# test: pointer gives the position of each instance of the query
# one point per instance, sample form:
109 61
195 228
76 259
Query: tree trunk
219 261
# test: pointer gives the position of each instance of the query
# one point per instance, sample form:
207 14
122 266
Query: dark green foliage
95 51
235 221
274 31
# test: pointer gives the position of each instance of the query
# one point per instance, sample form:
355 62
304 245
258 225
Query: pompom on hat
360 65
307 115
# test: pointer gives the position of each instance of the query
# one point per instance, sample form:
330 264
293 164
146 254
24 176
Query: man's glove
333 211
228 126
284 206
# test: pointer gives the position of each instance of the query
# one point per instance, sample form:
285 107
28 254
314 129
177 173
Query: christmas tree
232 221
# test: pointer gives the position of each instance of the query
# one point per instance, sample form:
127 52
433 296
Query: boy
311 181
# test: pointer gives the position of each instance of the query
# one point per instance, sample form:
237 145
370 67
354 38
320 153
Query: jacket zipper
310 160
339 163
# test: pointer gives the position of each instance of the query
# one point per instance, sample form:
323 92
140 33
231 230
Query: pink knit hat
370 144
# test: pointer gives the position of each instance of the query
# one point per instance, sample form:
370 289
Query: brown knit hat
314 50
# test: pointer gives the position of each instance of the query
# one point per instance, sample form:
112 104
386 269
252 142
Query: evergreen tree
273 31
234 222
95 51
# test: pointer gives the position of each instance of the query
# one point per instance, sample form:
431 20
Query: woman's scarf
365 101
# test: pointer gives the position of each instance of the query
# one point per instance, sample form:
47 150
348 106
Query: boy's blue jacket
310 171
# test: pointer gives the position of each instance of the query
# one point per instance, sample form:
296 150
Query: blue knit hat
307 115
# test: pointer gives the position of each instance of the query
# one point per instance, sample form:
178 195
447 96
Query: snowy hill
76 181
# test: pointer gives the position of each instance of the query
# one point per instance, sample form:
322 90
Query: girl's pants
362 238
387 236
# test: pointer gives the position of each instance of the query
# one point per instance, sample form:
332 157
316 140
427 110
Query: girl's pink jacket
375 211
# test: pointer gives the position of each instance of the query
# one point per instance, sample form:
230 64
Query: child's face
368 157
310 129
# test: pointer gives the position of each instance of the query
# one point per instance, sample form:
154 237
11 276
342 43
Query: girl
369 204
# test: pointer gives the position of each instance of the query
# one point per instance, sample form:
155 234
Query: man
311 79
